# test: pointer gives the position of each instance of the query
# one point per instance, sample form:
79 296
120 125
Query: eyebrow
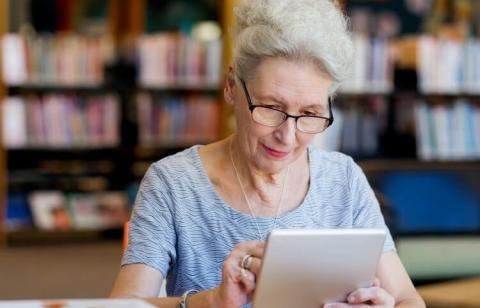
319 107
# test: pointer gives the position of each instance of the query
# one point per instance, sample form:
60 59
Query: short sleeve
151 236
366 213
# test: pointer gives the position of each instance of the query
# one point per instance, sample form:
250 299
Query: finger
253 248
373 294
248 280
232 265
345 305
255 265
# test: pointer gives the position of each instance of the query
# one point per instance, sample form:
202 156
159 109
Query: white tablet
308 268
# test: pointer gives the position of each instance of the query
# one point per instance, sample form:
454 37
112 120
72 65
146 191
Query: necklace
246 198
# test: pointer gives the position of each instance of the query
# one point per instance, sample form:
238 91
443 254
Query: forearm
411 302
204 299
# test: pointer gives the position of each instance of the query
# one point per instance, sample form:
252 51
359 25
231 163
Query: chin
272 166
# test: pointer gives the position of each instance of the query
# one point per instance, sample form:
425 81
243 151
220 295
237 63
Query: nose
285 133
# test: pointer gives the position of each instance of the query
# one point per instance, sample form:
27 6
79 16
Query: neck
262 184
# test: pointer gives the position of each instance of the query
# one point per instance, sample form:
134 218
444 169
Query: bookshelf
104 114
3 170
427 166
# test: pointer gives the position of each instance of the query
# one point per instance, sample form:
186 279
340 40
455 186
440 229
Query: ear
230 86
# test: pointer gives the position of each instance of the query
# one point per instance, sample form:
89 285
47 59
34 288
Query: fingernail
243 273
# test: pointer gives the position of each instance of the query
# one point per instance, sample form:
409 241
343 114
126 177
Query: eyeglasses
269 116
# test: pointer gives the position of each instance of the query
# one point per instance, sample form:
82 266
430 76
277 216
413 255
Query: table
76 303
459 293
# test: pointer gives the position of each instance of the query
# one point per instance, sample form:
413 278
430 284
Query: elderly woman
200 212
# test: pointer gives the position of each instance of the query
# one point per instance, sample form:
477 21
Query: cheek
304 140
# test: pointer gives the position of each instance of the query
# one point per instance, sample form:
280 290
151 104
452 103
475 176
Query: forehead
292 82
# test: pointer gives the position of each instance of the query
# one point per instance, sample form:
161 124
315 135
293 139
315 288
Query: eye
276 107
311 113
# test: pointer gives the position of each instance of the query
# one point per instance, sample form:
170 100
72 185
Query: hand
238 284
373 296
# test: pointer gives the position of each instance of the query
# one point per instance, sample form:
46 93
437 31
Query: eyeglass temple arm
330 110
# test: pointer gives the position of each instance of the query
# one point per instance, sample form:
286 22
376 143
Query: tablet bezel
308 268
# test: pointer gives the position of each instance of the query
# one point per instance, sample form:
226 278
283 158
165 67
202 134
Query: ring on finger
246 262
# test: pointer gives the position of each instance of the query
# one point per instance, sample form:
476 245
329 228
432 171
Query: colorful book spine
55 210
448 131
61 121
176 60
372 68
55 60
459 71
176 121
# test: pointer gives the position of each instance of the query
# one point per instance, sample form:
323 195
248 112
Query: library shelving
426 172
82 96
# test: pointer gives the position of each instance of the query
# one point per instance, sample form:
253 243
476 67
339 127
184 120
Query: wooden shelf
33 236
180 88
406 92
38 88
64 149
379 165
105 88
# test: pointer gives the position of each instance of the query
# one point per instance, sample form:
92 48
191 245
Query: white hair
314 30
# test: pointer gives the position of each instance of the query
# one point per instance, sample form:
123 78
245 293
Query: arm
392 288
142 281
395 280
137 280
395 286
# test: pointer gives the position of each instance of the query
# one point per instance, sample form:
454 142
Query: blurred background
93 91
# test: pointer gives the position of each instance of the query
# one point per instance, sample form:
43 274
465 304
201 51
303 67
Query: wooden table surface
460 293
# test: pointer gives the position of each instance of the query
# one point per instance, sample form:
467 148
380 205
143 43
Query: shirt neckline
237 213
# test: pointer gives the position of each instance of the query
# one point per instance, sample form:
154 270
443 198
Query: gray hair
314 30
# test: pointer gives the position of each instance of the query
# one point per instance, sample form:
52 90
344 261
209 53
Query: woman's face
295 87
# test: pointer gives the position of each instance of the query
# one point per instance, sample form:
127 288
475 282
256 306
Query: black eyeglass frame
252 107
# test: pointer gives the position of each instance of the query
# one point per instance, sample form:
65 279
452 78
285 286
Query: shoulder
176 168
334 166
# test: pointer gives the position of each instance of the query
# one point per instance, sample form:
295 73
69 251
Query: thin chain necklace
246 198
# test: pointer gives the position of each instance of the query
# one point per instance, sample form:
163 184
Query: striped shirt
182 227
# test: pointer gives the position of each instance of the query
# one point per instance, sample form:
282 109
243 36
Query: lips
275 153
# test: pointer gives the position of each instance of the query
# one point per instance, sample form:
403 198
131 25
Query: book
173 59
447 131
49 210
424 150
113 208
330 139
58 121
372 67
18 214
83 211
460 69
57 60
165 120
14 65
14 123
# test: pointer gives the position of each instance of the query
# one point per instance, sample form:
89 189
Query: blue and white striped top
182 227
